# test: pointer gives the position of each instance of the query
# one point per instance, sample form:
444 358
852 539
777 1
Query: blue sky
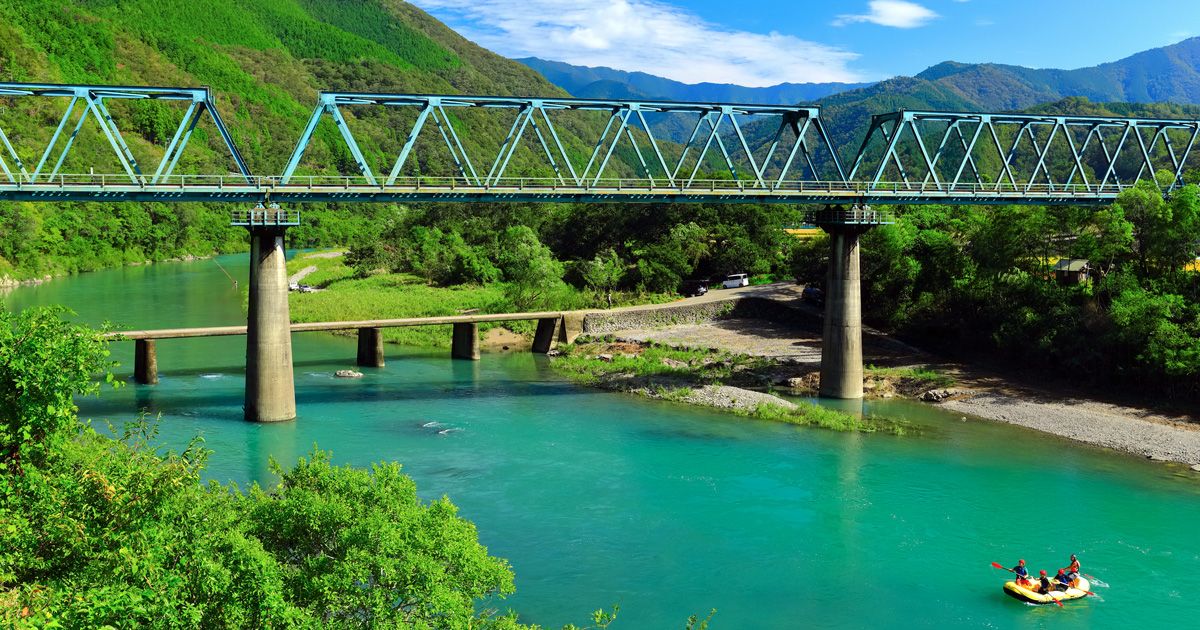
763 42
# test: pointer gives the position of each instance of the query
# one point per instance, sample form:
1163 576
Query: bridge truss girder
714 126
906 157
902 143
89 102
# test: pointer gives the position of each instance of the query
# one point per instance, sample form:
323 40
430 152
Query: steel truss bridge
644 153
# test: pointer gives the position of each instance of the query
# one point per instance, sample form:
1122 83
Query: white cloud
642 35
894 13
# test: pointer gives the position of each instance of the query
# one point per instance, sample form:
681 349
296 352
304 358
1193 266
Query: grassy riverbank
341 295
702 377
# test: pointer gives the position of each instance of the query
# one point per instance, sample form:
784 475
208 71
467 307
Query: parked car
814 295
735 280
693 288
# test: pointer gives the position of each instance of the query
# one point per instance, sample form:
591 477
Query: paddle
1095 580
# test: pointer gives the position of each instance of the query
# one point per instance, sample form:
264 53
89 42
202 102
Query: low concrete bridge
269 391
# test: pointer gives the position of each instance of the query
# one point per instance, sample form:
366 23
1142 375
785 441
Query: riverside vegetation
713 379
104 532
975 281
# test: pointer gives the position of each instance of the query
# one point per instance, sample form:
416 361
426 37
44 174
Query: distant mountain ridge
1164 75
1170 74
602 82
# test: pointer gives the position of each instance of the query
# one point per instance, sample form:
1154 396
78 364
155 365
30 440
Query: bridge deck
239 189
226 331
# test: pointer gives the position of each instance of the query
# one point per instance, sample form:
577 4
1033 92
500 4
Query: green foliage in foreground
102 532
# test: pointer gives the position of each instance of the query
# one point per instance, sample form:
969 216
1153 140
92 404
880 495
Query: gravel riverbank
1137 431
1126 429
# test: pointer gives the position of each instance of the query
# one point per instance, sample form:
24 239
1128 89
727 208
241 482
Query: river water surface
667 510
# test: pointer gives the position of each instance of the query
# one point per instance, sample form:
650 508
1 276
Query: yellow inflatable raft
1027 592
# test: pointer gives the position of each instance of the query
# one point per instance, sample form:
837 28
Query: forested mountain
265 60
601 82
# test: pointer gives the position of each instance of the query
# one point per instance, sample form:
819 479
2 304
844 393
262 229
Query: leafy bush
103 532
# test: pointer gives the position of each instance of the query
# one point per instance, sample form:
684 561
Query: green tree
603 273
102 532
530 269
665 263
44 362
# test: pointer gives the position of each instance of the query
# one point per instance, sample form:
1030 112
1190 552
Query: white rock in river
347 374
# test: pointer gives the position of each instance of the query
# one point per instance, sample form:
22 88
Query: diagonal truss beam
719 136
90 103
1023 148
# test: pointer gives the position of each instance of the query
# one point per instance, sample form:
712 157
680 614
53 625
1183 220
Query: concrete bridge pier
370 347
543 337
465 342
145 362
270 390
841 342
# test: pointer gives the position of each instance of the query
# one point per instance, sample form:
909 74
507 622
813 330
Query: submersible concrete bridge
582 151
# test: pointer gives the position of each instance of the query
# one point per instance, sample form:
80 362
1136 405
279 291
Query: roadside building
1071 271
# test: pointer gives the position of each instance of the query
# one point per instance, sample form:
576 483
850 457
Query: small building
1071 270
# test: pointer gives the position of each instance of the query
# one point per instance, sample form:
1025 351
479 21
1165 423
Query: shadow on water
154 399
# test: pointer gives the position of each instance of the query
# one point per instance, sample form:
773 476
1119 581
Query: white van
736 280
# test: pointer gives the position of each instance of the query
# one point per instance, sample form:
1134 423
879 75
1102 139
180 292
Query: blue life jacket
1021 571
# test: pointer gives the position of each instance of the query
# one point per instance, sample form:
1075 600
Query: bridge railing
326 183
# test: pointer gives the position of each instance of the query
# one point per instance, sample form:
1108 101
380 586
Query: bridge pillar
370 347
841 341
145 362
465 343
543 337
270 390
571 327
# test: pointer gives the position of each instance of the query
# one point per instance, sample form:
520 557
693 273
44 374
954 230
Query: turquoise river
599 498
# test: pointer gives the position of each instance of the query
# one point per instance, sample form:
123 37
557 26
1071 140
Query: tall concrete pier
841 341
270 391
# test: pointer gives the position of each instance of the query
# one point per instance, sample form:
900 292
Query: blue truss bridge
645 151
487 149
